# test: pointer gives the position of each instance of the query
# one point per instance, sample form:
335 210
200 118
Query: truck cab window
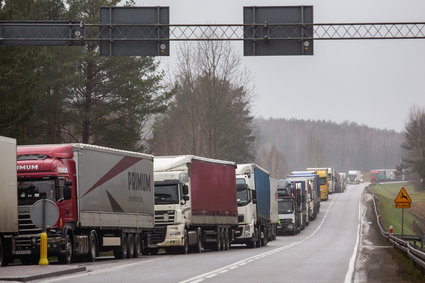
243 197
322 181
243 193
167 194
285 206
31 191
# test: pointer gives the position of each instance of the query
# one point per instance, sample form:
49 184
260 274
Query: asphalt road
323 252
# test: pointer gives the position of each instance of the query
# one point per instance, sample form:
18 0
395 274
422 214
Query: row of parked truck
300 194
132 203
129 203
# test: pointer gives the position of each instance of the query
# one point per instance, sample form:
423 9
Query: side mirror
254 197
186 198
185 190
68 183
67 193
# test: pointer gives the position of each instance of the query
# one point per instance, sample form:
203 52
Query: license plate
23 252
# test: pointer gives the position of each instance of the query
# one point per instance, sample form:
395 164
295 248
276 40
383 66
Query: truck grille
164 216
27 230
286 221
158 234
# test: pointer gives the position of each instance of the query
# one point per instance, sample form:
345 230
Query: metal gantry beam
11 32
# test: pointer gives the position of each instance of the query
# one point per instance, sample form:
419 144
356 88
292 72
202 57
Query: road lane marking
255 257
350 272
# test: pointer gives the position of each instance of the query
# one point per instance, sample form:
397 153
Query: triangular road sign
403 197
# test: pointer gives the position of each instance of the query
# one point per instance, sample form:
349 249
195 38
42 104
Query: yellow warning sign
403 199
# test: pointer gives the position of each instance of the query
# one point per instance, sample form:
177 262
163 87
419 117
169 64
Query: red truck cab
44 172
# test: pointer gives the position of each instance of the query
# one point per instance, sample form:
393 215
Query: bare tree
210 115
414 142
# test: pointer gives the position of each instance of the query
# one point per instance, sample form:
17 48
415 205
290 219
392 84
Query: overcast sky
371 82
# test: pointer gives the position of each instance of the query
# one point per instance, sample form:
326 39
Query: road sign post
402 200
44 213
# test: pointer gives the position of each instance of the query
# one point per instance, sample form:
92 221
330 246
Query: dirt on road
377 260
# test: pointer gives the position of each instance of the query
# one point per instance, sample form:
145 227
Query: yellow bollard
43 249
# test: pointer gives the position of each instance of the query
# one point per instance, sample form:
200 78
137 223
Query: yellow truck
323 183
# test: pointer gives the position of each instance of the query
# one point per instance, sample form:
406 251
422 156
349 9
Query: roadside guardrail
403 242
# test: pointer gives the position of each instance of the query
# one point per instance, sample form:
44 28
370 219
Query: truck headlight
175 233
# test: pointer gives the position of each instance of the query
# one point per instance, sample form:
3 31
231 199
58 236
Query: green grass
390 215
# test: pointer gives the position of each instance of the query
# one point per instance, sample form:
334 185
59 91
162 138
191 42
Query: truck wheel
3 258
185 248
218 241
199 247
66 258
121 251
253 242
137 245
226 240
264 240
130 246
258 233
223 240
91 257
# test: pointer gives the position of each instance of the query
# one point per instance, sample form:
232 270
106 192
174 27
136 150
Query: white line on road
259 256
349 274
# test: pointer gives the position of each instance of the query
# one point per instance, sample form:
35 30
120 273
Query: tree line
295 144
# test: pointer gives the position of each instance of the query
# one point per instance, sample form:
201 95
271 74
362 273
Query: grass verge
390 215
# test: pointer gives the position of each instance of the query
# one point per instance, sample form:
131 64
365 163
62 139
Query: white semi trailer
8 198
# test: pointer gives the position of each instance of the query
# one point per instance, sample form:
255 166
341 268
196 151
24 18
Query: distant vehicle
374 176
310 196
331 177
354 177
341 182
382 175
8 200
195 204
255 224
290 221
105 200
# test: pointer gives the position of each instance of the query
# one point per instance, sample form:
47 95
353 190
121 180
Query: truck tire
93 248
121 251
66 258
252 244
226 240
218 243
137 245
258 237
265 238
130 246
199 246
185 248
223 240
3 257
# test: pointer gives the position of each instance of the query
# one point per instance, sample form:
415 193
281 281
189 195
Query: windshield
322 181
243 197
31 191
285 206
166 194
